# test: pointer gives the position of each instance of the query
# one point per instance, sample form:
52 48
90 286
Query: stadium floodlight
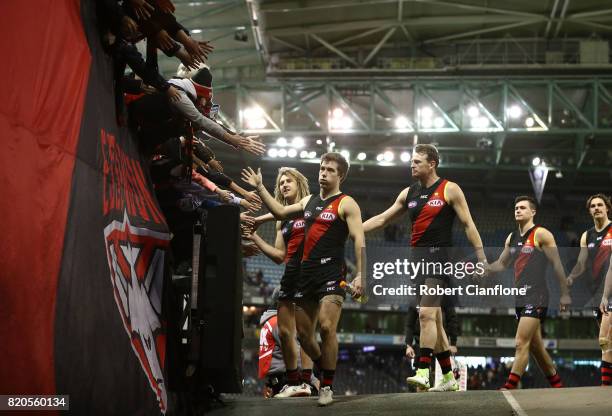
480 122
439 122
346 154
339 121
281 141
292 153
514 111
319 141
388 156
536 161
380 157
473 112
303 154
273 152
337 112
282 153
298 142
405 157
312 155
529 122
401 123
361 156
426 123
426 112
346 123
254 118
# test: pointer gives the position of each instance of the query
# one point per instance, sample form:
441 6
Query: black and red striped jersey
431 216
599 246
529 265
293 235
325 233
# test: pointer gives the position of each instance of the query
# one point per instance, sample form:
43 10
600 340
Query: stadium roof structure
496 84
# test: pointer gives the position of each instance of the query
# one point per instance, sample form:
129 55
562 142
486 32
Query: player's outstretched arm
580 266
277 252
456 198
350 212
546 240
382 219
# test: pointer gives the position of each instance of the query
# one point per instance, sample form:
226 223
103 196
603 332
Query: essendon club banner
84 269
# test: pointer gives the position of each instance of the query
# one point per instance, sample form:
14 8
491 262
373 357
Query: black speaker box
219 303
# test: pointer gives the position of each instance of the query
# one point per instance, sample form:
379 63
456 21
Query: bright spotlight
536 161
380 157
254 118
514 111
273 152
346 123
337 113
388 156
479 122
292 153
303 154
346 154
426 112
298 142
405 157
529 122
312 155
253 112
426 123
439 122
281 141
361 156
282 153
401 123
473 112
319 141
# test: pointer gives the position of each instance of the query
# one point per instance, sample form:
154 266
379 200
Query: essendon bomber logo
136 260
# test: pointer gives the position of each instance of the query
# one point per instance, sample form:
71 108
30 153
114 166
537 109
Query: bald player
432 203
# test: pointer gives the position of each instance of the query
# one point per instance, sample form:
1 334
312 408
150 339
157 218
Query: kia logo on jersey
435 203
298 224
327 216
527 249
412 204
607 242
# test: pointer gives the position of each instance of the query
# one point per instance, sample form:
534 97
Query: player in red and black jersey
529 249
594 257
330 218
291 187
432 204
605 308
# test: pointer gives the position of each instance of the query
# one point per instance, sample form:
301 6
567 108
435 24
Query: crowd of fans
173 120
